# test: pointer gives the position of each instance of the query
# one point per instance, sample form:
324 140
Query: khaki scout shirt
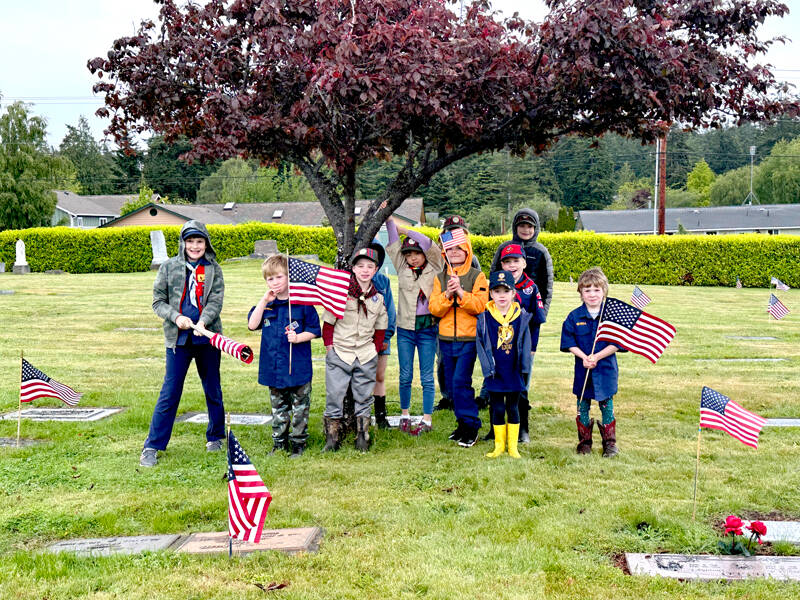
352 334
410 287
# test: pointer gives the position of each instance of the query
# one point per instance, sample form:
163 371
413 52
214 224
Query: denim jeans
459 362
424 340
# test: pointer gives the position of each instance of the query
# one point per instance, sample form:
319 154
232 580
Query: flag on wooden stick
738 283
779 285
36 384
776 308
248 497
628 327
315 284
638 298
720 412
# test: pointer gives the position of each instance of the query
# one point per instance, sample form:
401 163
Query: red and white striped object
248 497
317 285
628 327
777 308
35 384
243 352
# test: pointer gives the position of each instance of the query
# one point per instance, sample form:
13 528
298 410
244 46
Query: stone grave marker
264 248
116 545
750 337
6 292
394 420
62 414
303 539
2 267
23 442
159 246
710 568
20 264
780 531
739 359
201 418
782 423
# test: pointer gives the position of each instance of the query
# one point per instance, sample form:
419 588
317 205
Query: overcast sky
44 45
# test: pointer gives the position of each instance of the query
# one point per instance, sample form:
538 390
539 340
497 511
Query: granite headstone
159 247
303 539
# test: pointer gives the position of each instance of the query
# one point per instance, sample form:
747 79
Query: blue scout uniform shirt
190 310
507 376
579 330
382 284
273 360
530 300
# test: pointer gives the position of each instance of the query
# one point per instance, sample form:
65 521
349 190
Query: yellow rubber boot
499 441
513 438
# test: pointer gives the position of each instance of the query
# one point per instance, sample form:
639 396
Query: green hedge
661 260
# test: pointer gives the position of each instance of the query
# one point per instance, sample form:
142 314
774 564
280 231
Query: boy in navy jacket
284 326
596 370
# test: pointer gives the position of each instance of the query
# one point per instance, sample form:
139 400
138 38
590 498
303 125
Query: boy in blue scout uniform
577 337
290 389
503 339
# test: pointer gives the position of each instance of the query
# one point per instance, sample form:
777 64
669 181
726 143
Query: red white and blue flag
453 238
779 285
720 412
738 283
237 350
638 298
776 308
248 497
628 327
35 384
317 285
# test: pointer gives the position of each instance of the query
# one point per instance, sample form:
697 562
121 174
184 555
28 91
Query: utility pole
662 185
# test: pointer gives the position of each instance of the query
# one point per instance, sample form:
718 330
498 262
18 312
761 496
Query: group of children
446 307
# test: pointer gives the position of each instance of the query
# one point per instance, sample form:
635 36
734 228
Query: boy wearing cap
417 260
353 343
460 293
504 349
188 290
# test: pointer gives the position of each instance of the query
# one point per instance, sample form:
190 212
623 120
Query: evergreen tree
699 181
165 172
95 167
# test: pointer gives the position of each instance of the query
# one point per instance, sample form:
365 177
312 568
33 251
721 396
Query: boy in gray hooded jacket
188 290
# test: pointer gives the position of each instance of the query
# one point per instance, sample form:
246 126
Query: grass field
413 518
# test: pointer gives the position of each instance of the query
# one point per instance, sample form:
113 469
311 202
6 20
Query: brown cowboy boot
609 434
333 431
584 436
362 438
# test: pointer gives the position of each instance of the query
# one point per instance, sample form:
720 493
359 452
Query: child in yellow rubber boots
503 340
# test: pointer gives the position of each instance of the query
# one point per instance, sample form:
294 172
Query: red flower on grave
733 524
758 528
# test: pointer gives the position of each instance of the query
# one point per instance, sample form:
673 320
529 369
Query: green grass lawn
413 518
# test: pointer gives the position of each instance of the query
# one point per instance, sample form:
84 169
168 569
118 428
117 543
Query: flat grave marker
711 568
782 423
780 531
751 337
116 545
201 418
63 414
6 292
303 539
23 442
739 359
394 420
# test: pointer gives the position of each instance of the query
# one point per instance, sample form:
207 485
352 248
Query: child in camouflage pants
290 389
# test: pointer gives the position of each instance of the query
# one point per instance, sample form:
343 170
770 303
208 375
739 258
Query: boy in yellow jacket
460 293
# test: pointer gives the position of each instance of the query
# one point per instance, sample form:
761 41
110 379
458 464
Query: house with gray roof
87 212
711 220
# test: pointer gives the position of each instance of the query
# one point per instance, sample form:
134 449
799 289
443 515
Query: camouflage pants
290 406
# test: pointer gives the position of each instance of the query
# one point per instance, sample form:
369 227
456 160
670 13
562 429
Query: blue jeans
206 359
424 340
459 362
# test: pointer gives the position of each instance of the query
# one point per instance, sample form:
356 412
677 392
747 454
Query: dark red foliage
329 84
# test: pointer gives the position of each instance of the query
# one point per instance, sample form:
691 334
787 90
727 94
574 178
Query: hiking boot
524 408
333 432
420 428
584 436
469 437
444 404
405 424
148 458
482 402
278 446
489 436
362 437
380 412
297 450
214 446
609 435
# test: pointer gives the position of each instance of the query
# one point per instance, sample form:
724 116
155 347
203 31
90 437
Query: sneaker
420 428
469 437
405 424
214 446
456 434
148 458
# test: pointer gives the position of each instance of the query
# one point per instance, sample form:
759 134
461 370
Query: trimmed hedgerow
659 260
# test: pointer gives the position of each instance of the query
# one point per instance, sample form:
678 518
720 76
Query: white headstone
159 246
2 267
20 264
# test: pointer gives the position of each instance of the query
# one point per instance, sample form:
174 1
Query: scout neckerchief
505 331
197 282
360 295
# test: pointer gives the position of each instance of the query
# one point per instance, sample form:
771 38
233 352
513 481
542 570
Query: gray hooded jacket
170 282
540 264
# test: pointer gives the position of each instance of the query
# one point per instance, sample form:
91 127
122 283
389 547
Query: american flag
779 285
453 238
313 284
242 352
738 283
638 298
36 384
635 330
776 308
720 412
248 497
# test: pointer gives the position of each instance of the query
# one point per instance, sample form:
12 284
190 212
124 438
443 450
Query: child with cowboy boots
353 343
503 340
283 327
459 295
596 370
417 261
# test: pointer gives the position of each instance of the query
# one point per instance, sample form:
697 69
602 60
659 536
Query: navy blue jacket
383 285
579 330
273 360
530 300
486 348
